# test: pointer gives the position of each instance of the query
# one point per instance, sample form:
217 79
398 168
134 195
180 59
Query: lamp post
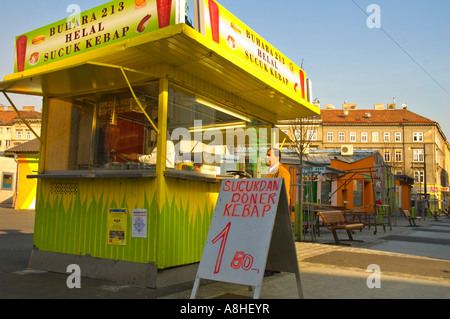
425 181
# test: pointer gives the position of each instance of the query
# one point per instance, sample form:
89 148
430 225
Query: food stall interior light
215 127
221 109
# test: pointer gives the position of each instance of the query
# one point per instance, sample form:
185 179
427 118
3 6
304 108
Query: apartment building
410 143
13 131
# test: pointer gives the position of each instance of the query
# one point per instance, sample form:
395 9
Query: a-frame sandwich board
250 232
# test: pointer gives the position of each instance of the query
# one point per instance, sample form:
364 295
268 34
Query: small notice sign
250 230
139 222
117 226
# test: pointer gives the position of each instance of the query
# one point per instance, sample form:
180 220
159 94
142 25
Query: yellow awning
171 49
75 80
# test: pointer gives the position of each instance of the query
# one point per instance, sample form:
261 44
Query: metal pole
20 115
425 181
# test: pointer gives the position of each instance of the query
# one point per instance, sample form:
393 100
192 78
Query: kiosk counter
146 109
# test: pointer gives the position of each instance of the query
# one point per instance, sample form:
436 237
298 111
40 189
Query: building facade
13 131
26 158
411 144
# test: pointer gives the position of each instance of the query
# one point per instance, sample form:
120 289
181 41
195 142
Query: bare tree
302 131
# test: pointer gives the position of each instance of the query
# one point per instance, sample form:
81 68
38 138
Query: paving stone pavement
414 261
331 271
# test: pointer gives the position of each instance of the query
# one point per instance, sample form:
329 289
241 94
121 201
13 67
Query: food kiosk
147 106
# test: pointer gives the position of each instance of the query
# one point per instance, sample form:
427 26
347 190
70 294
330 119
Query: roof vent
379 106
349 106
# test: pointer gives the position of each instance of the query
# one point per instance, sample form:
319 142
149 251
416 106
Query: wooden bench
412 220
335 221
435 215
446 213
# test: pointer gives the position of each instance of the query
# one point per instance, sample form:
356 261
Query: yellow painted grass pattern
184 221
75 222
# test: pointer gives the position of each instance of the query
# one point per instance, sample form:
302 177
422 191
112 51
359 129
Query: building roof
8 117
337 116
28 147
404 178
324 157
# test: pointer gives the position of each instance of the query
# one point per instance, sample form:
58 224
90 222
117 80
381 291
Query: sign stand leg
299 285
257 292
195 288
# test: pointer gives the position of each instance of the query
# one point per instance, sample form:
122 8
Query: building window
417 137
357 193
7 181
364 137
311 135
418 177
341 137
19 135
418 155
375 137
330 137
352 136
28 135
7 143
387 155
398 155
386 136
8 130
398 136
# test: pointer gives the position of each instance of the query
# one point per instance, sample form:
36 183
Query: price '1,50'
240 260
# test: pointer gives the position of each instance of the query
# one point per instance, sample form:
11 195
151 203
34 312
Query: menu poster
117 227
107 24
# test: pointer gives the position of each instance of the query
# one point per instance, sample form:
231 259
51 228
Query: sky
337 42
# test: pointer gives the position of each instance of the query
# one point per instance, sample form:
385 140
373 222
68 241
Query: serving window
110 131
99 131
211 138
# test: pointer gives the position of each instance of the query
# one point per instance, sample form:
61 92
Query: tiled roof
373 116
324 157
8 117
28 147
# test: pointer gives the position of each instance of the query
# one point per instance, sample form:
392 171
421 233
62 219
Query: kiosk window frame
83 133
